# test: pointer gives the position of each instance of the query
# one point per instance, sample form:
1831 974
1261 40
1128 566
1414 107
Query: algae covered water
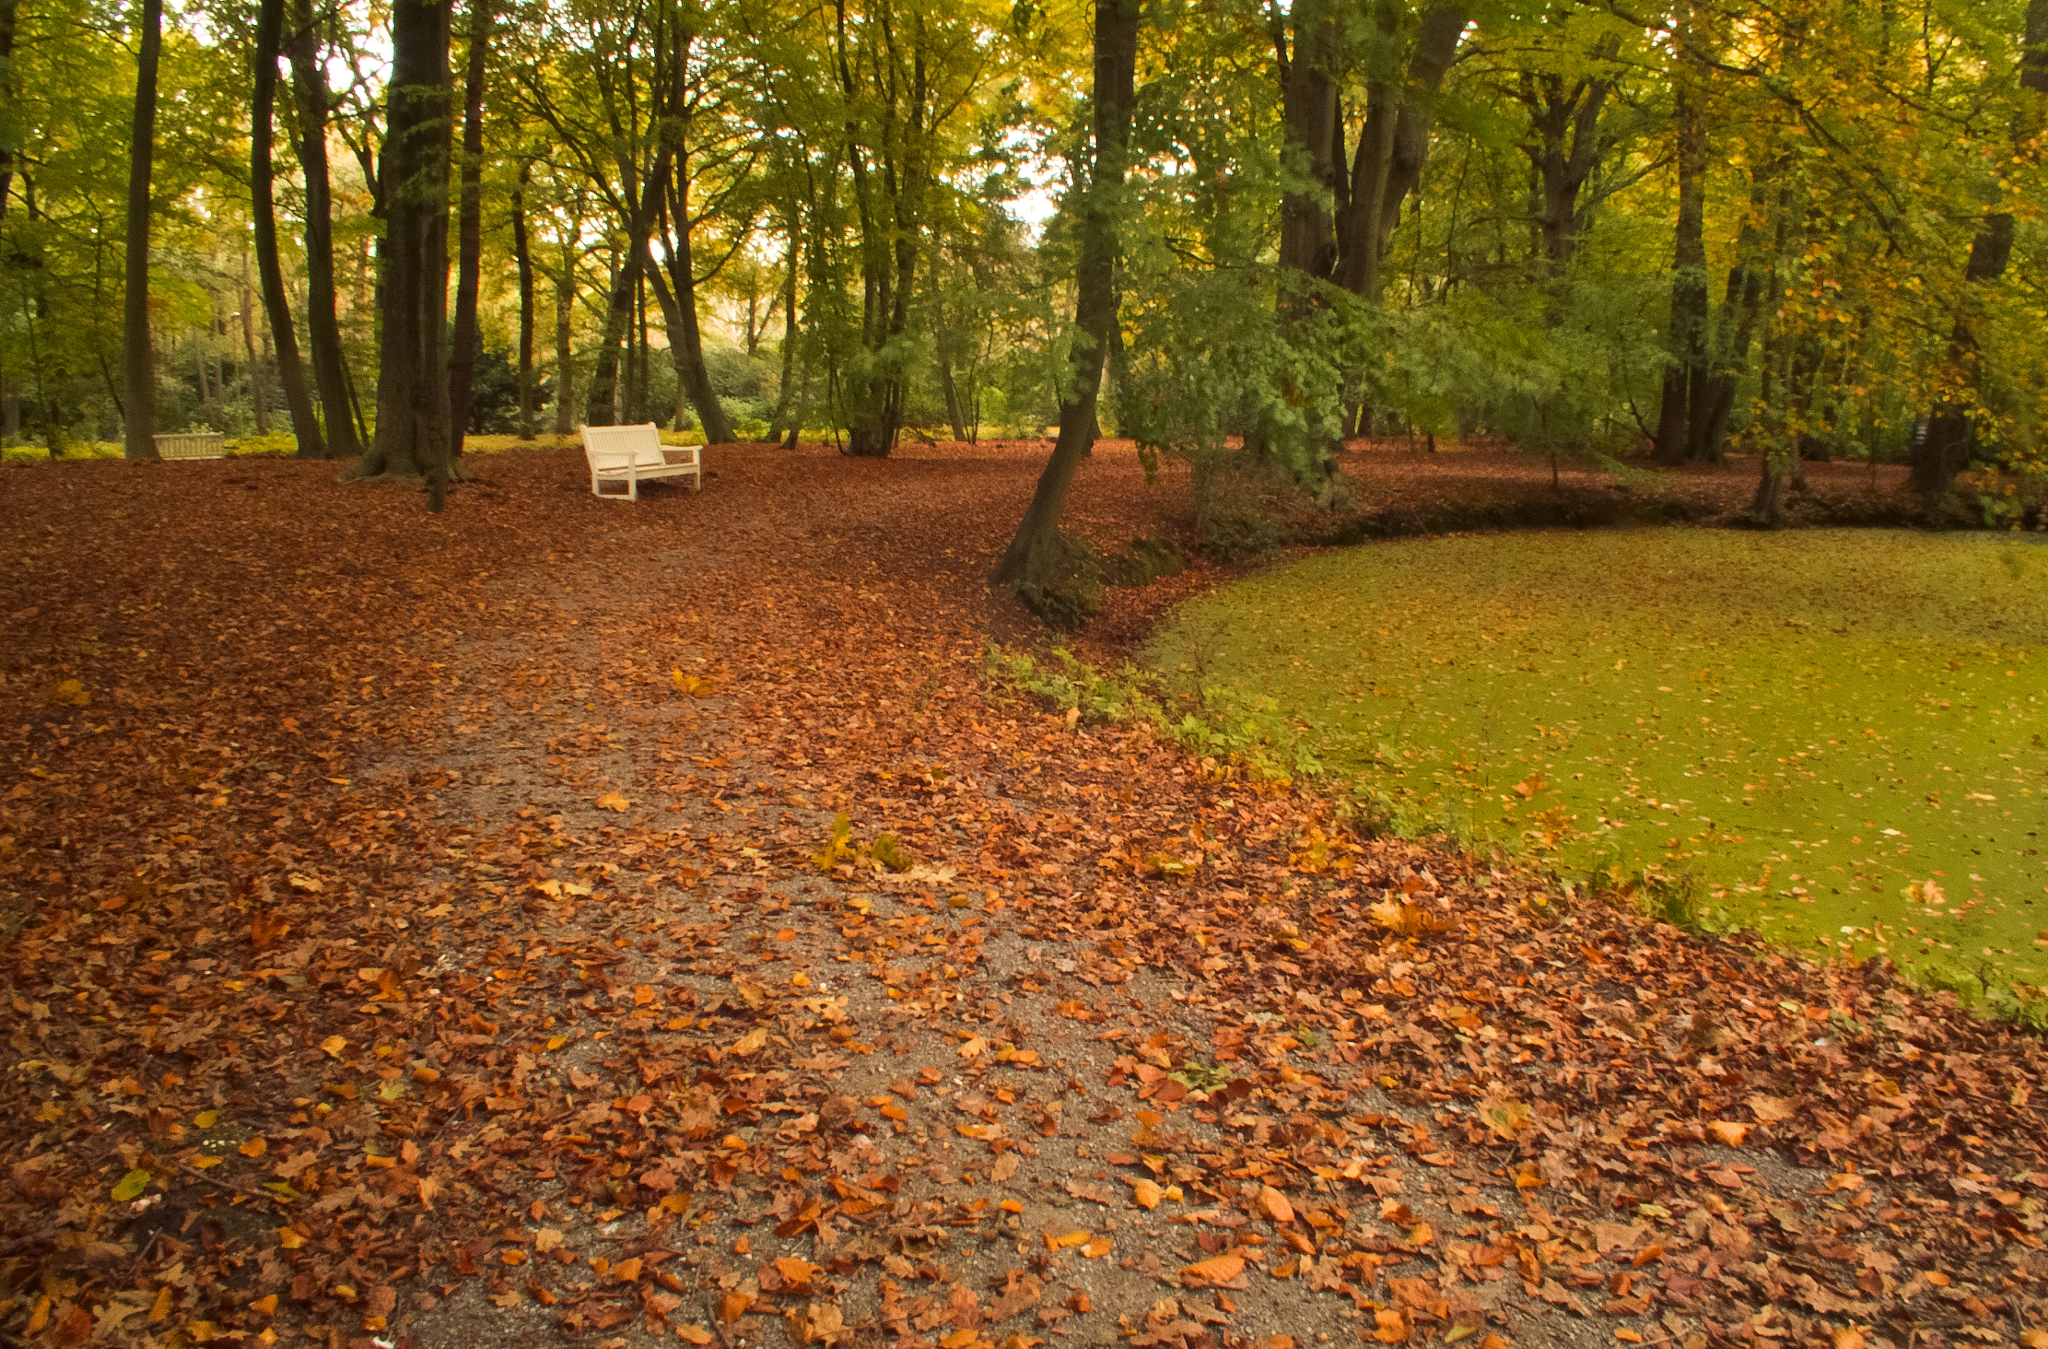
1835 736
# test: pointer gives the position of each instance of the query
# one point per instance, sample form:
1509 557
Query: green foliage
1067 592
1144 561
1218 724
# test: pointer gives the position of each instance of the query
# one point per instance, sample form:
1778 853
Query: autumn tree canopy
1809 229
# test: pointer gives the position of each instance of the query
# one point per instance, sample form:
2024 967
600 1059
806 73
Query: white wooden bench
633 455
202 445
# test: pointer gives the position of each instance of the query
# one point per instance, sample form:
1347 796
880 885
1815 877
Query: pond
1837 737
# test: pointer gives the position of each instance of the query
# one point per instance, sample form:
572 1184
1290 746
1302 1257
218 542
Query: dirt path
432 931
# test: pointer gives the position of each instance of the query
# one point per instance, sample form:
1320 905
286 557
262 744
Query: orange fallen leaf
1216 1269
614 801
1274 1205
1146 1193
255 1147
1727 1133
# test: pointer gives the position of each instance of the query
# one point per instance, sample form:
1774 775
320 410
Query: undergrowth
1230 732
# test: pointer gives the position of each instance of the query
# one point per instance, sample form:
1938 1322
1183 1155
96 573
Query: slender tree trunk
1393 146
9 15
678 298
323 329
522 256
1037 552
1686 336
138 361
604 380
953 413
1734 333
565 370
785 392
259 382
470 229
1946 450
413 434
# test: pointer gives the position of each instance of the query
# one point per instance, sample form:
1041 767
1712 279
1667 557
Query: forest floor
433 931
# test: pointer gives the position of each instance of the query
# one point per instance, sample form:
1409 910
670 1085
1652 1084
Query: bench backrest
618 446
199 445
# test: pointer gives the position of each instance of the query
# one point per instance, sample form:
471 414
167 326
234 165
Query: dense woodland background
1804 229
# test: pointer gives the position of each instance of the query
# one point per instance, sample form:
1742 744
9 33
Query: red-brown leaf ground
426 930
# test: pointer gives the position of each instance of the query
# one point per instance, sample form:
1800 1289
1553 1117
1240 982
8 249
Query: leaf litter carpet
433 931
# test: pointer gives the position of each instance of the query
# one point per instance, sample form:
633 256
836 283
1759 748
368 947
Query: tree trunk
259 383
1566 120
678 298
565 371
413 434
1393 146
323 329
9 15
470 235
786 415
1313 121
138 361
1734 334
1686 336
686 340
604 380
1037 552
1946 449
953 416
522 256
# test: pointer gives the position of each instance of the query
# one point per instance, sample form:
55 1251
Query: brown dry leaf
1773 1109
752 1042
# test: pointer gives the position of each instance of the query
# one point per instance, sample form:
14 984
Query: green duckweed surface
1840 737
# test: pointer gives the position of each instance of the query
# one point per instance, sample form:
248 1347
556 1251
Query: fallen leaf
1219 1269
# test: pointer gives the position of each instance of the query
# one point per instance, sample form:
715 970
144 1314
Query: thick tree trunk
1037 552
413 435
138 360
1686 336
522 257
565 370
470 229
323 329
1313 122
